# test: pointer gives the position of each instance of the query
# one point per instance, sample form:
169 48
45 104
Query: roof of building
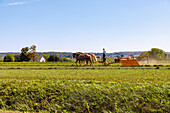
39 58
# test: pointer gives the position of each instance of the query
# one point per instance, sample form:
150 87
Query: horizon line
71 51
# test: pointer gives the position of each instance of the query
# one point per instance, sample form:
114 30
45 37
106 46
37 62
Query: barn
40 59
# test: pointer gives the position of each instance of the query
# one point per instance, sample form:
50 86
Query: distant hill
168 53
69 54
2 55
60 54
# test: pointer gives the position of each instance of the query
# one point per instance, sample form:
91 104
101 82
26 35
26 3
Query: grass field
1 59
64 87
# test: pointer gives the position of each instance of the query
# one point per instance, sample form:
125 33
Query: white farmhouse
40 59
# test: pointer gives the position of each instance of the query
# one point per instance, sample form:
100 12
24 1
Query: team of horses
79 56
83 57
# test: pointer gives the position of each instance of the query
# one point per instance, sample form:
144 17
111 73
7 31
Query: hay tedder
127 61
134 61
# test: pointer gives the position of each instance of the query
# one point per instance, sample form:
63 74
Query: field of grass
64 87
1 59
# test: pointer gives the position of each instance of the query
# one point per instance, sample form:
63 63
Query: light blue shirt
104 51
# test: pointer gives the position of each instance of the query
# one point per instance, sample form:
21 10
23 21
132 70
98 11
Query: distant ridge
69 54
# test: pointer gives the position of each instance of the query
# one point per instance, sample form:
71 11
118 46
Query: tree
24 54
9 58
45 56
17 58
28 53
155 53
32 53
53 58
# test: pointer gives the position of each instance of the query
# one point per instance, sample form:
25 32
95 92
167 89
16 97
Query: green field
64 87
1 59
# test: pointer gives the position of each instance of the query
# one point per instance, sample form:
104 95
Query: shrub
54 58
9 58
65 59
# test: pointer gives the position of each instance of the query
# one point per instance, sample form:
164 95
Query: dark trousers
104 57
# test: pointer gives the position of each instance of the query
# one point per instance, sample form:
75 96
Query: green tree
155 53
28 53
54 58
45 56
24 54
9 58
17 58
32 53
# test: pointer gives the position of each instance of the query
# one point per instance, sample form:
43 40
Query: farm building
39 59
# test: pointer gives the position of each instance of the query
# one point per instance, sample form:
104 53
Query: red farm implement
134 61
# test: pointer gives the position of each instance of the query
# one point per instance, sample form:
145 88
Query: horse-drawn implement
134 61
118 57
106 63
125 61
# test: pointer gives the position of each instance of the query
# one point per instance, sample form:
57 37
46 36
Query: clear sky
85 25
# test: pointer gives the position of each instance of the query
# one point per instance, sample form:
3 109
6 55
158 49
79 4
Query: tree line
156 54
29 54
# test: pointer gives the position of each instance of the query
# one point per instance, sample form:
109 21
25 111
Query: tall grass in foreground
64 87
83 96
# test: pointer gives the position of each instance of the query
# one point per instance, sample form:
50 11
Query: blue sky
85 25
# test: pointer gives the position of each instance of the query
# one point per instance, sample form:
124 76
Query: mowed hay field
64 87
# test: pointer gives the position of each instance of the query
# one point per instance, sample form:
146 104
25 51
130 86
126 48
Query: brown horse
93 57
83 57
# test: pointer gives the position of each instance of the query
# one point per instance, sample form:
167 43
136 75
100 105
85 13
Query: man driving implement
104 55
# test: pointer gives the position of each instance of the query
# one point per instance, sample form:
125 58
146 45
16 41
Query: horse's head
77 54
74 55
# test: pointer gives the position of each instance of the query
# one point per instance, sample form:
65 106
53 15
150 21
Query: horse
76 56
93 57
82 57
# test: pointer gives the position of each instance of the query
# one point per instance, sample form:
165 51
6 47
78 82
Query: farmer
104 55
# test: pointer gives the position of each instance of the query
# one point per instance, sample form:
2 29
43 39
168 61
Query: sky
84 25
